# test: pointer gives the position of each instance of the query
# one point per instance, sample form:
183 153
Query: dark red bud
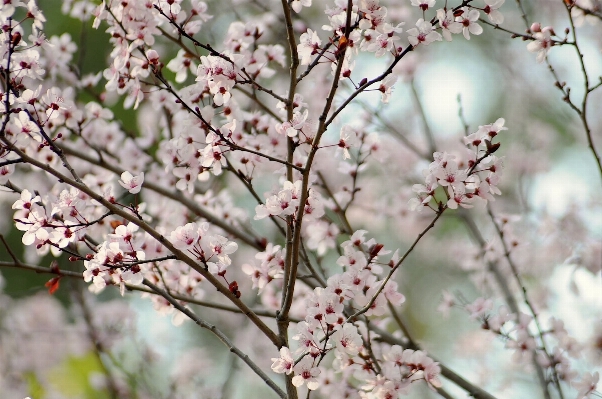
375 250
16 38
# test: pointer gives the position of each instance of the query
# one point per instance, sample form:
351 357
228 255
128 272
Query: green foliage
36 390
72 377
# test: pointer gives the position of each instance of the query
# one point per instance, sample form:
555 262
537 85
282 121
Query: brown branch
394 268
220 335
177 196
130 287
156 235
472 390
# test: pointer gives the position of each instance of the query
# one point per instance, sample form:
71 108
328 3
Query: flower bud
535 27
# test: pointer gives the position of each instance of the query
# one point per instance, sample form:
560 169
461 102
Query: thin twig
394 268
220 335
156 235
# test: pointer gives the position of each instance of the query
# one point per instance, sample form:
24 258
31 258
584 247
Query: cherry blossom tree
271 172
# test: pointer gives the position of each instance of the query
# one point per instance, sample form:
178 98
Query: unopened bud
535 27
153 57
16 38
375 249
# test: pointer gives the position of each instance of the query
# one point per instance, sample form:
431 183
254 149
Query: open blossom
449 174
306 373
260 275
448 23
348 138
181 65
542 43
26 200
213 158
221 248
34 225
523 346
423 4
479 308
386 87
170 7
468 20
459 197
491 9
291 129
297 5
424 33
309 44
185 237
132 183
347 339
485 132
382 44
284 203
587 386
220 75
284 363
27 126
280 204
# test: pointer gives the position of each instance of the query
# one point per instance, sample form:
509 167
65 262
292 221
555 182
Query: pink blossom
424 33
587 386
468 20
26 200
542 43
309 44
132 183
306 373
491 9
347 339
284 363
185 237
448 24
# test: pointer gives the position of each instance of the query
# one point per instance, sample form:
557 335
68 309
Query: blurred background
73 344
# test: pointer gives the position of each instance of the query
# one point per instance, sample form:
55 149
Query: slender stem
394 268
427 128
366 85
97 344
290 284
77 275
472 390
523 290
155 234
220 335
289 269
177 196
583 111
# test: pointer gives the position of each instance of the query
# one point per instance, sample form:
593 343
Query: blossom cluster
65 223
555 350
286 203
326 328
162 204
475 175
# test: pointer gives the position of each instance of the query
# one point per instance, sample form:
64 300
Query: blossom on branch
468 19
424 33
132 183
543 41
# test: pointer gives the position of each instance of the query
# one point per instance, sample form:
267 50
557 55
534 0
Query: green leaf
72 377
35 388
